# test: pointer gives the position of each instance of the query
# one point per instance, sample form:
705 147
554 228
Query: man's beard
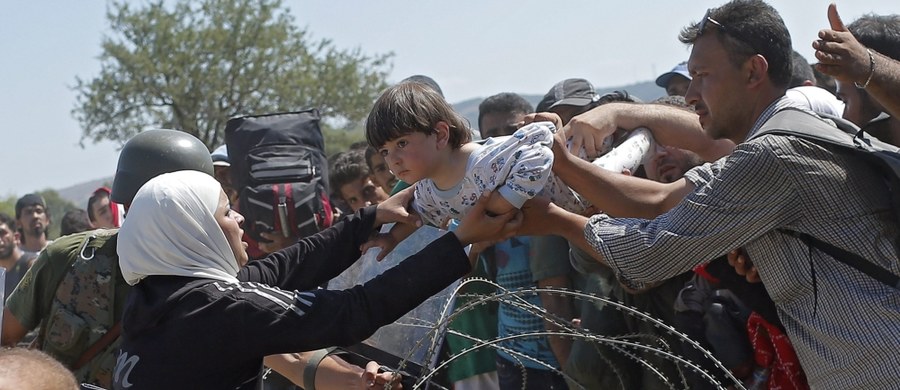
6 251
37 230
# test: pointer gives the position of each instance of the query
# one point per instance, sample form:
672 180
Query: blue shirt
514 273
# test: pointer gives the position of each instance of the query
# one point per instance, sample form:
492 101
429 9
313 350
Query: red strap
99 346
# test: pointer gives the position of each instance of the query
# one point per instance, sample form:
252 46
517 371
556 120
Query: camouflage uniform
75 292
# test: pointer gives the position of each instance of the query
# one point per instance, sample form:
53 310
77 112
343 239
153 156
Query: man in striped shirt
844 325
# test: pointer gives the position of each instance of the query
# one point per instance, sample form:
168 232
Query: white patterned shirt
844 325
517 166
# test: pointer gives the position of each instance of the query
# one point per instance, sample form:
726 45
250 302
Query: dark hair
506 102
349 166
750 27
800 70
824 81
74 221
427 81
358 145
409 107
370 151
878 32
8 220
94 199
616 96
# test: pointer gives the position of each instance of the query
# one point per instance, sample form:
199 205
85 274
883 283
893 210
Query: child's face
413 156
381 174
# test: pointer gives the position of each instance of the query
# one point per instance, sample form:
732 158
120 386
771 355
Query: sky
471 48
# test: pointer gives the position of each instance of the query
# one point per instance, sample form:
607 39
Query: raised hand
840 55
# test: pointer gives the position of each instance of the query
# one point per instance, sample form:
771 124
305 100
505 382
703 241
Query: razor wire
628 344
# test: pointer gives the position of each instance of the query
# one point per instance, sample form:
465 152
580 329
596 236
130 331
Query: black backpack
882 157
279 168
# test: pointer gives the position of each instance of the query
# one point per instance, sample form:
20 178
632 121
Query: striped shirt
844 325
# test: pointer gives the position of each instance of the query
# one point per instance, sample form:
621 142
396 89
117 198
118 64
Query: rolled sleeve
734 204
530 159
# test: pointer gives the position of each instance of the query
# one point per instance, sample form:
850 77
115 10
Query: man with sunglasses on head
844 324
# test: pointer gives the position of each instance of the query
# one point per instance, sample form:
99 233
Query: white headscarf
171 229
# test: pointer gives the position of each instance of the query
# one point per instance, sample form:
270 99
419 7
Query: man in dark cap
569 98
33 219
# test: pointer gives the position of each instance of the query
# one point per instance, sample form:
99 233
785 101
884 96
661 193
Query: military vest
85 308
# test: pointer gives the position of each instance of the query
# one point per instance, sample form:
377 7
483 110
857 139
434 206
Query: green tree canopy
191 65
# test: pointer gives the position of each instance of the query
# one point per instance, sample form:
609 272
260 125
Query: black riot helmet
152 153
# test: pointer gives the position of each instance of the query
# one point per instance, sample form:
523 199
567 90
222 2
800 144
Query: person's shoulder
65 245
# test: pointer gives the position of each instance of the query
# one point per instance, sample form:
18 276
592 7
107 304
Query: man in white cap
675 81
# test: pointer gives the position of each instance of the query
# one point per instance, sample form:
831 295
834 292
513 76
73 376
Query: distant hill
78 194
646 91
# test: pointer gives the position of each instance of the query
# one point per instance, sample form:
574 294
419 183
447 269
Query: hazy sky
472 49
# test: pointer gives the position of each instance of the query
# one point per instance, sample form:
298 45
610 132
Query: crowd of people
692 208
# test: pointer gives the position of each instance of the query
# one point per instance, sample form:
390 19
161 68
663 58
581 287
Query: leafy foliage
193 64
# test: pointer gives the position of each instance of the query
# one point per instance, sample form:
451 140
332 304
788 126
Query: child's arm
498 205
527 160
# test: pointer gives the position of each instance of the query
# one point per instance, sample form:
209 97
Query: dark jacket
182 332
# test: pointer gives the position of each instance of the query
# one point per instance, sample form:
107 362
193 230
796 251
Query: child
425 142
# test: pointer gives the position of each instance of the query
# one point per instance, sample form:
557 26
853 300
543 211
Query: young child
425 142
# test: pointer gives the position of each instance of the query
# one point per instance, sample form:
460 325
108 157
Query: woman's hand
372 379
385 241
396 209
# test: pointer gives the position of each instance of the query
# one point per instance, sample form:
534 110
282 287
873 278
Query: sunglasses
734 34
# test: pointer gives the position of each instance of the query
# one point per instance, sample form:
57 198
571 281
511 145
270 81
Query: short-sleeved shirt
514 273
517 166
16 272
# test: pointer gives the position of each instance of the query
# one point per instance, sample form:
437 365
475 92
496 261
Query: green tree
8 205
190 65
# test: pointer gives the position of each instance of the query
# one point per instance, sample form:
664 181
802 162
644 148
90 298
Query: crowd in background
691 232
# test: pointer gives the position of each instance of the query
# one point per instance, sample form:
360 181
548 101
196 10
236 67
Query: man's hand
589 129
372 379
840 55
743 265
551 117
536 214
478 226
396 209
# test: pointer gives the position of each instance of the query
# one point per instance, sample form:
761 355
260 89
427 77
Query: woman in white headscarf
200 317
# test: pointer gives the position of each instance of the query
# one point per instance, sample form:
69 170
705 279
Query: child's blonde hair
411 106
